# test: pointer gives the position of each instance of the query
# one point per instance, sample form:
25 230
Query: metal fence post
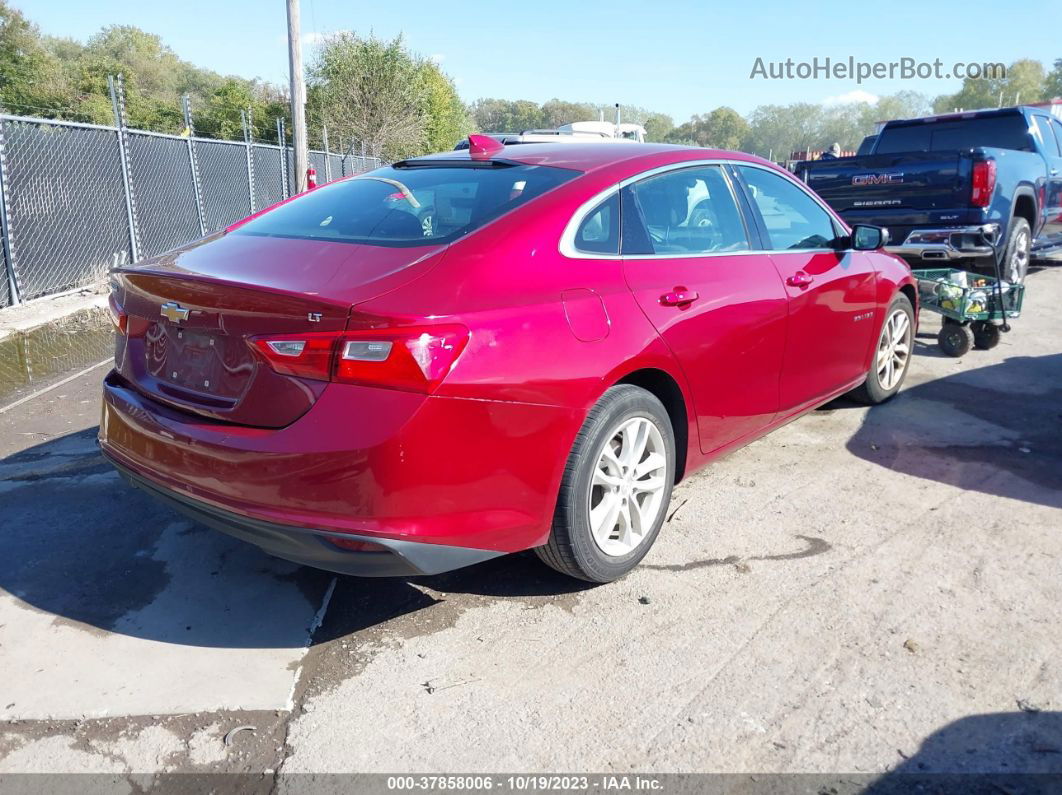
245 119
193 163
5 226
282 140
328 157
118 105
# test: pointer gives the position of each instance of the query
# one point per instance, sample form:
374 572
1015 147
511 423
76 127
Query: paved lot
858 592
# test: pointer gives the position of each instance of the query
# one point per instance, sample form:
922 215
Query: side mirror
869 238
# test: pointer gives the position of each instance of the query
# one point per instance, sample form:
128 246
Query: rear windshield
1002 132
408 206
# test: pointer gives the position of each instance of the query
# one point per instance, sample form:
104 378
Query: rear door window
1046 136
408 206
688 211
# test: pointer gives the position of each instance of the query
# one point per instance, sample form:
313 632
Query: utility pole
298 96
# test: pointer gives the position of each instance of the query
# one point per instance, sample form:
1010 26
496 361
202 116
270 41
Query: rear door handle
679 297
800 279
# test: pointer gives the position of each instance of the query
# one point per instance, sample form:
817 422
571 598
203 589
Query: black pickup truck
982 186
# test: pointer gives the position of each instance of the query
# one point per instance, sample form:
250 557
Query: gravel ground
861 592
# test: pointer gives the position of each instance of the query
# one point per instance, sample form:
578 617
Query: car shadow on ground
1007 752
966 429
79 544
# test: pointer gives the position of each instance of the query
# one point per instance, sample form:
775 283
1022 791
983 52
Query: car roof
590 156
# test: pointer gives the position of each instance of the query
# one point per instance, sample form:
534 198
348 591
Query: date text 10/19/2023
525 783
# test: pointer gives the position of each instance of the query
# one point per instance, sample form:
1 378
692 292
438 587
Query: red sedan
474 353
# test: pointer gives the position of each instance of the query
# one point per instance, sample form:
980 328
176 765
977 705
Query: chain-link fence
78 199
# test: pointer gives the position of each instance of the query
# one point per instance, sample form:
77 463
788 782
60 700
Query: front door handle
800 279
680 296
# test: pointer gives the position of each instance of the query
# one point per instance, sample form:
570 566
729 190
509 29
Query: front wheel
616 488
955 339
892 355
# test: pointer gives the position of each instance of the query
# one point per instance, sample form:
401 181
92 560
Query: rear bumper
948 243
369 464
313 547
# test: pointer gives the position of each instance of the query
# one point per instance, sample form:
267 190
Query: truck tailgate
917 184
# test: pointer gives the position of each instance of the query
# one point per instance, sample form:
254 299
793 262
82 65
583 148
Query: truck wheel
986 336
616 488
955 339
1015 263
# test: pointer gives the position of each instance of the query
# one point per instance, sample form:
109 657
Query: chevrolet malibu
474 353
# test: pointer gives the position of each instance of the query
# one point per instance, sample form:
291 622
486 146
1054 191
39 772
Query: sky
679 57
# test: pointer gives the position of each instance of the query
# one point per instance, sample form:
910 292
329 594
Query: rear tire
892 355
626 446
1015 265
955 339
986 336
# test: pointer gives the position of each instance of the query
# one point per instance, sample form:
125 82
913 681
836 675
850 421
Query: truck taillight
413 358
983 182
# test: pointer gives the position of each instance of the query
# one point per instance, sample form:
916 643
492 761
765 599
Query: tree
723 128
30 76
506 115
1024 82
657 126
556 112
446 118
369 88
901 105
1053 82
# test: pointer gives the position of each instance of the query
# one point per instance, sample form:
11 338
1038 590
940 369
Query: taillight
413 358
119 317
984 182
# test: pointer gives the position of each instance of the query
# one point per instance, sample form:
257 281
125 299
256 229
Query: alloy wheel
894 349
628 486
1018 264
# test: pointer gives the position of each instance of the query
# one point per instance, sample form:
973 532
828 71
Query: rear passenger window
688 211
599 231
794 220
1047 138
1057 127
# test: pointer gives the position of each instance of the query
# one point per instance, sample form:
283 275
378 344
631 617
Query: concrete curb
50 309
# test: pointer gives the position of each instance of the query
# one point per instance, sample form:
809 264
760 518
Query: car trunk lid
191 316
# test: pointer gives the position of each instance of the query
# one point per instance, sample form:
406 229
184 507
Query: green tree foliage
31 79
723 128
1053 82
658 126
1025 82
447 120
54 77
380 93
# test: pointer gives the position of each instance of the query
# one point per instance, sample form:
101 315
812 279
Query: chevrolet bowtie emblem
174 312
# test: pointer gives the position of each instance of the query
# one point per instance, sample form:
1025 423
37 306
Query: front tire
955 339
892 356
616 488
